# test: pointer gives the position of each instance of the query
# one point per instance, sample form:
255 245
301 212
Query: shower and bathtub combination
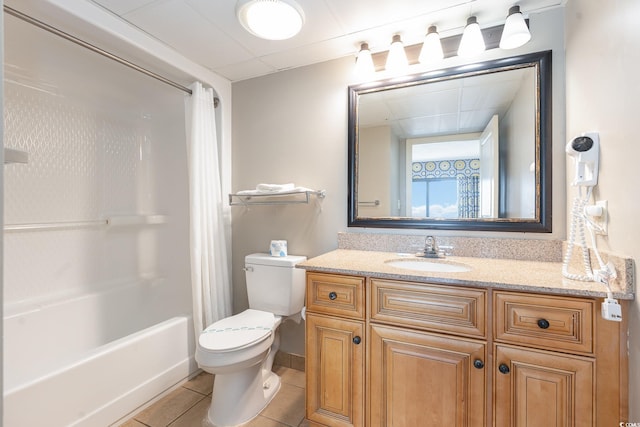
97 296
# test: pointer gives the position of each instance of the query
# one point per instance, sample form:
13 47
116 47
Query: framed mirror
465 148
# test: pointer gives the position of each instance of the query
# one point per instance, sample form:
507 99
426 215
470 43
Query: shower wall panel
103 141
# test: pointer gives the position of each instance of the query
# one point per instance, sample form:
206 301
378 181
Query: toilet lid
237 331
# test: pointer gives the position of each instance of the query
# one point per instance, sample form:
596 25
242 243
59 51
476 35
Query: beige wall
603 58
290 127
518 128
374 170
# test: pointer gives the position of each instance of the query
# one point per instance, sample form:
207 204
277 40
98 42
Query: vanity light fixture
364 62
431 51
270 19
472 42
515 32
397 58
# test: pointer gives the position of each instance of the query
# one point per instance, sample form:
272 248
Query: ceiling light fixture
364 62
472 42
270 19
431 51
397 58
516 32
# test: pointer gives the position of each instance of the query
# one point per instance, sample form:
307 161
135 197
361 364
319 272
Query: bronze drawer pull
543 323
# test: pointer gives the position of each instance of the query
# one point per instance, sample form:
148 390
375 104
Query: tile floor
187 406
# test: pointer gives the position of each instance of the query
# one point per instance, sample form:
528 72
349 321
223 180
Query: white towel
287 189
302 190
272 188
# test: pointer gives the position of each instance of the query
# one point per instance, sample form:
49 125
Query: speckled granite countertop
517 275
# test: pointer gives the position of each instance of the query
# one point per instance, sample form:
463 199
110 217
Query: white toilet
239 350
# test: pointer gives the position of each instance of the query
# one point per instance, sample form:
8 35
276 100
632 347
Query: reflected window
445 178
435 198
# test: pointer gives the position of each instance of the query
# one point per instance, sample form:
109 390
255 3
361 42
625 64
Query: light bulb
472 42
364 62
397 58
431 51
515 32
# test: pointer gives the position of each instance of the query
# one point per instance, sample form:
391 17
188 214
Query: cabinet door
426 380
335 366
542 389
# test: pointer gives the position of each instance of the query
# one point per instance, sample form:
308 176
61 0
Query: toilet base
240 396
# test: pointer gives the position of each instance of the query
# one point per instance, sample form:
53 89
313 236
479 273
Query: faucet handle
446 249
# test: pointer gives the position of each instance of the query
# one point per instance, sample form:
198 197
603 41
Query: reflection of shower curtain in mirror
211 287
468 196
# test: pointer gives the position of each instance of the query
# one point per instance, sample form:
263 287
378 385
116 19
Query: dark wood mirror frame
542 221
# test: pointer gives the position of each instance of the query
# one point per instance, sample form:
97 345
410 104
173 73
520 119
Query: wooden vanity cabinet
557 362
427 354
462 356
422 379
542 388
335 350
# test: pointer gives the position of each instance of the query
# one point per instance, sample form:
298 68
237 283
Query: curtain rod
96 49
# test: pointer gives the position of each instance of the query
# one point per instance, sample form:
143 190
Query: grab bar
55 225
373 203
118 220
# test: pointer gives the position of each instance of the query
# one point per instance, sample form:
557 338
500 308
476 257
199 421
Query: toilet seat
236 332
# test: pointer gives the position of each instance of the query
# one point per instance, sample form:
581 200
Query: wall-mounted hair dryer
585 149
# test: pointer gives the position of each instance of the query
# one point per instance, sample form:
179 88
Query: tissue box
278 248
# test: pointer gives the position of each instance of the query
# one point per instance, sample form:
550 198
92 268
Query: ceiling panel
202 42
428 104
245 70
359 15
121 7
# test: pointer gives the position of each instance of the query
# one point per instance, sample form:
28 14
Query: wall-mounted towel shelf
277 198
116 220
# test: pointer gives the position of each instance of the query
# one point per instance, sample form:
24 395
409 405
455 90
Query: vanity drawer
336 295
450 309
544 321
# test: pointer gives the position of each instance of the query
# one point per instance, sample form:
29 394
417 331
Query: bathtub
59 371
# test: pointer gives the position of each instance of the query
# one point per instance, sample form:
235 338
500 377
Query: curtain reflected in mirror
464 149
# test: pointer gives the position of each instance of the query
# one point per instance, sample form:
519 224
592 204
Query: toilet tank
274 284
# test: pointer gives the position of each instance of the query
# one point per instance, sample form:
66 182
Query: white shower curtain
211 287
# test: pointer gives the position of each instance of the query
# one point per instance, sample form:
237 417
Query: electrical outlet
611 310
603 219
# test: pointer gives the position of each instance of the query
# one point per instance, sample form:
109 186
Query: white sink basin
429 265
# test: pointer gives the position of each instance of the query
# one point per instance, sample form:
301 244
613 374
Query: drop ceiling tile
120 7
429 104
488 97
359 15
245 70
475 121
189 33
426 126
306 55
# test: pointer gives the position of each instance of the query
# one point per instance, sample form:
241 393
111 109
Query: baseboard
289 360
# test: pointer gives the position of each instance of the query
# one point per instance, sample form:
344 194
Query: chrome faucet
430 248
